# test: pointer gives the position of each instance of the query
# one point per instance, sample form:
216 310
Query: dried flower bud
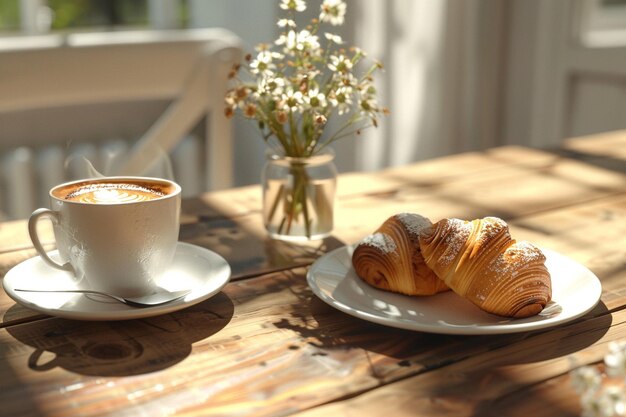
229 112
304 84
248 57
250 110
282 117
241 93
386 111
320 119
232 74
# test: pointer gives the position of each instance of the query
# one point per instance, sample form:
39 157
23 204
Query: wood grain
266 346
483 384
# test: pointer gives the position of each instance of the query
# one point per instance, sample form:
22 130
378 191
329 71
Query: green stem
295 202
278 131
279 197
335 137
293 130
301 178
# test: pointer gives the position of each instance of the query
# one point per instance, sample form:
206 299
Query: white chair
137 94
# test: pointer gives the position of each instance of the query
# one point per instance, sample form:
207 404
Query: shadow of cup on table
121 348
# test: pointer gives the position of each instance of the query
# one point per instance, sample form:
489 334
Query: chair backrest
150 87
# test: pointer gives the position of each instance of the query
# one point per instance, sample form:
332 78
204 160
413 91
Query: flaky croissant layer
481 262
390 258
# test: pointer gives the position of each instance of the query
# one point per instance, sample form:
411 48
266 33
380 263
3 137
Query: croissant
481 262
391 260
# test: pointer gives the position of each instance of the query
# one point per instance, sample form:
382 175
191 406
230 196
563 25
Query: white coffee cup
117 238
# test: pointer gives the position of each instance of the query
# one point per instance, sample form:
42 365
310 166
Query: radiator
28 173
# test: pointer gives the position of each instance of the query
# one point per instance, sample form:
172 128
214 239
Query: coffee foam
113 191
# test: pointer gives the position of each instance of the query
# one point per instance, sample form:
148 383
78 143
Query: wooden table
267 346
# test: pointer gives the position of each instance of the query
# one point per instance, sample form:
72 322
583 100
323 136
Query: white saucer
575 291
200 269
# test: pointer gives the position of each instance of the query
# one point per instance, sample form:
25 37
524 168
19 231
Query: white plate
575 291
200 269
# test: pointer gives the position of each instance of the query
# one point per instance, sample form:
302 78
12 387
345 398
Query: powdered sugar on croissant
390 258
481 262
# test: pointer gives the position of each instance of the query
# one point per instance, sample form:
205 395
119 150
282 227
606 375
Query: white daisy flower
586 379
306 41
369 104
347 79
286 23
333 38
263 64
607 403
302 41
314 99
341 99
284 39
292 99
271 85
333 12
613 398
297 5
593 406
340 63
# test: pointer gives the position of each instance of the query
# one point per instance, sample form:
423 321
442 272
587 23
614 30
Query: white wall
443 79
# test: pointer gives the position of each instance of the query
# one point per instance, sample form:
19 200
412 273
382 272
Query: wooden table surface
267 346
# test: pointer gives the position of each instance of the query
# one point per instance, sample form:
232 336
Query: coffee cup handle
32 231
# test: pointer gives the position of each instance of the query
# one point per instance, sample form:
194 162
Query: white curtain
441 77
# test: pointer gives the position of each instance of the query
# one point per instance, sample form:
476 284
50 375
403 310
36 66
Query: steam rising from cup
116 161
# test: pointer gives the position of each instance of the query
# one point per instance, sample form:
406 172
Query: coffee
112 192
113 234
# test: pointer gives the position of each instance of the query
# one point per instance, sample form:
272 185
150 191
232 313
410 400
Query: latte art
118 234
112 193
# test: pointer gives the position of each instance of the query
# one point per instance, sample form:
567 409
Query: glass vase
299 195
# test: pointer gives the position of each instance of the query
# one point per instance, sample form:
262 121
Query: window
97 13
603 23
42 16
609 14
9 16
